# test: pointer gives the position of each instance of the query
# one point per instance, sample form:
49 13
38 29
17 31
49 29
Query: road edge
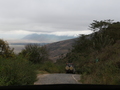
73 76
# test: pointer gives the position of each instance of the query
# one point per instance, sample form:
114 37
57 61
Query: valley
56 49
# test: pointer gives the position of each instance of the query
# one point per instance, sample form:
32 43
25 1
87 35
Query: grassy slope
107 69
58 48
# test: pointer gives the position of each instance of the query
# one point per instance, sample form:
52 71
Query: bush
35 53
107 73
106 70
16 71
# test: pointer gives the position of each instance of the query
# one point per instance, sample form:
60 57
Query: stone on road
58 79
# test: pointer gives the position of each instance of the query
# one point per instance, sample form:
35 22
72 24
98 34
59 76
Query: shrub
16 71
35 53
106 70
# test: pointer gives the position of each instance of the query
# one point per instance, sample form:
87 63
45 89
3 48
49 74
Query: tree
5 50
82 44
101 41
35 53
100 25
113 31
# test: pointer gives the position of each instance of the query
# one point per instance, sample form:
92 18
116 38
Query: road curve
58 79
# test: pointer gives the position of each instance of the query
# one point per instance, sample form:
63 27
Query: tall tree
100 25
101 41
82 44
113 31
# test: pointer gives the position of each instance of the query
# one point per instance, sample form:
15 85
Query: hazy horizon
39 38
19 18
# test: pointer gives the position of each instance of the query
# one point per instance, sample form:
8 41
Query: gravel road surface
58 79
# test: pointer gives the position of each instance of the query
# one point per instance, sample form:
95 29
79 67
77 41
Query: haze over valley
41 39
47 38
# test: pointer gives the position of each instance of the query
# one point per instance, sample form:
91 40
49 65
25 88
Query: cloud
72 33
14 34
54 16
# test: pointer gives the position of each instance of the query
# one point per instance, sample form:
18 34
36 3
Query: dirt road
58 79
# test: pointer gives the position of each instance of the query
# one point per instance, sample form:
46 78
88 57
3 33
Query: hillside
106 70
97 57
59 48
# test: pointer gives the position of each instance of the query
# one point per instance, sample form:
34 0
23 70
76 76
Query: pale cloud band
60 17
19 34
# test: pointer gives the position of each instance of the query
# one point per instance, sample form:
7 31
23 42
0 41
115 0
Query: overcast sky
62 17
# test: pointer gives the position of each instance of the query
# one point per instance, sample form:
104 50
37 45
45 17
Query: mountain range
57 45
46 38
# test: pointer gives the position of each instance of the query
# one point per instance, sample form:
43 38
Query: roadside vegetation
38 55
96 56
16 71
22 69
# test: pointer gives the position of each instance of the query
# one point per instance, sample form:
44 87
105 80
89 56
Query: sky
19 18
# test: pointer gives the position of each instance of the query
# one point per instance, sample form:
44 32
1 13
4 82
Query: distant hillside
58 48
46 38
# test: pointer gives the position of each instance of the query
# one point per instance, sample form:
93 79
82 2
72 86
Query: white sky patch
15 34
11 35
19 34
72 33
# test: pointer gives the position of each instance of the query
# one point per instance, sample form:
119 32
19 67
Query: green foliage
82 44
113 31
35 53
106 70
50 67
5 50
101 41
102 73
102 45
16 71
100 25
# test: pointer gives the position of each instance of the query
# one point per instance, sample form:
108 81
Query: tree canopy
100 25
5 50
